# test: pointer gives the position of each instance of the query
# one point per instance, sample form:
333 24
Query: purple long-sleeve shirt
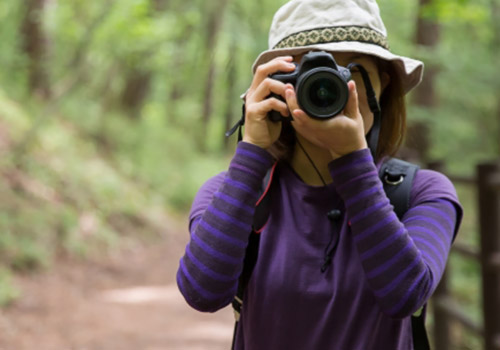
382 269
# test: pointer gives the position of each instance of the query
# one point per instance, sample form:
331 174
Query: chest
293 247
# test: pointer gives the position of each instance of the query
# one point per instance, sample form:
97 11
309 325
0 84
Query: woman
305 291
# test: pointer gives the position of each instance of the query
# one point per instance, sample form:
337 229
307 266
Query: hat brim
409 70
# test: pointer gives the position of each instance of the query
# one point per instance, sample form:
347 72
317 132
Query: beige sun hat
336 26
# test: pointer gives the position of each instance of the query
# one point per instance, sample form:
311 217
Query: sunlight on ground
142 294
191 329
211 330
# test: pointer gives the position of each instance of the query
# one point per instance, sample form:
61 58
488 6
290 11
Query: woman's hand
259 130
340 135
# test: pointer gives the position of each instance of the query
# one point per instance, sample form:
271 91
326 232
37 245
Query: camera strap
373 135
238 125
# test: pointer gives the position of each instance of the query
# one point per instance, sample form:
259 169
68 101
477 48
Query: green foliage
11 55
8 292
102 42
78 189
464 127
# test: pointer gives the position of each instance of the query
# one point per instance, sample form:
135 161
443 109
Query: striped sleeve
220 223
403 260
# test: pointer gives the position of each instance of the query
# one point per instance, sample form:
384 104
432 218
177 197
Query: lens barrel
322 93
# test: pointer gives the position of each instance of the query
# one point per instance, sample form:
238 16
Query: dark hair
393 125
393 107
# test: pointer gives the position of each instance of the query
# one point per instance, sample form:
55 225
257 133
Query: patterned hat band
332 35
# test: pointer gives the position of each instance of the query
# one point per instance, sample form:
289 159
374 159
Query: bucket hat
336 26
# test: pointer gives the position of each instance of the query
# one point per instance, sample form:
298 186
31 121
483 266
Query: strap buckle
391 179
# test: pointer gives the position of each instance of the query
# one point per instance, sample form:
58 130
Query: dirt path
128 301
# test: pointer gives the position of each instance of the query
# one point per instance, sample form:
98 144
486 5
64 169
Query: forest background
113 113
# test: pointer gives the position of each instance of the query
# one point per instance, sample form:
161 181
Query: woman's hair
393 121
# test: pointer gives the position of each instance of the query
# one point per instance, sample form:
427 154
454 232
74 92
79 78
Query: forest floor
127 300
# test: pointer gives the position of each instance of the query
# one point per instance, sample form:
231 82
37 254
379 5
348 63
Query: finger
279 64
264 107
267 87
351 109
299 116
291 97
297 113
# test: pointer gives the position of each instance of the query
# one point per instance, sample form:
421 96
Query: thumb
352 107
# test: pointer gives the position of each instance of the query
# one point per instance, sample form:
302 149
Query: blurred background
113 113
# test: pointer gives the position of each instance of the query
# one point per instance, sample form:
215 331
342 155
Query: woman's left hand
340 135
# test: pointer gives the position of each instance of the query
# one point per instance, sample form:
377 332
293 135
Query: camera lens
322 93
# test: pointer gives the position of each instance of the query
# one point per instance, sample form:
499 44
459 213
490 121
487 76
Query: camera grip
273 115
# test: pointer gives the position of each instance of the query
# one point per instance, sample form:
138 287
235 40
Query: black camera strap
373 135
238 125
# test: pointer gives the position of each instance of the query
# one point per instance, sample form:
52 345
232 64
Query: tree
160 5
495 45
138 78
425 95
231 99
136 89
212 29
35 45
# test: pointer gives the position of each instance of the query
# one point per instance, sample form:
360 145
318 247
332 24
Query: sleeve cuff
353 166
250 164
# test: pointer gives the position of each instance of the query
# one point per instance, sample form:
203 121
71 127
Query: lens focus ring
322 93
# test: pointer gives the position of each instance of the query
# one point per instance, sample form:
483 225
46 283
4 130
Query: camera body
320 85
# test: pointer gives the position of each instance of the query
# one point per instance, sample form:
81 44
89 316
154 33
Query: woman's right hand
259 130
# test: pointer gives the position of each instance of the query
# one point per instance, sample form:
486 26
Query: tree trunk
231 97
495 16
35 45
428 35
425 96
136 91
138 80
213 27
160 5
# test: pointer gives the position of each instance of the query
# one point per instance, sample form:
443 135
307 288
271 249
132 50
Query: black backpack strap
420 339
263 206
261 216
397 177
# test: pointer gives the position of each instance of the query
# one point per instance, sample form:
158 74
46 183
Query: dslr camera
320 85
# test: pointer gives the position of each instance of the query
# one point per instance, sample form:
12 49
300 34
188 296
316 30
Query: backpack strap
261 216
397 177
420 339
263 206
